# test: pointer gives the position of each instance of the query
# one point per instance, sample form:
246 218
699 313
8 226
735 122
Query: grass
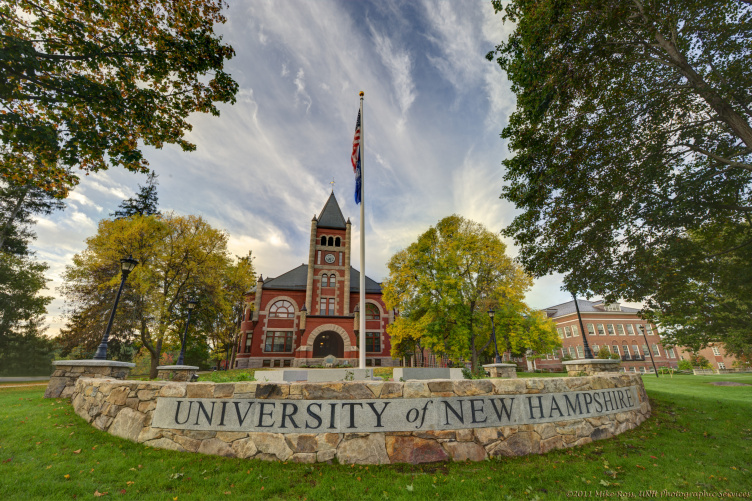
699 439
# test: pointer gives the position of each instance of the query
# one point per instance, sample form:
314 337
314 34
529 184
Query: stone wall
127 409
67 372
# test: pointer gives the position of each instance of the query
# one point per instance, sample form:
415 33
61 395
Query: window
318 257
645 350
625 350
331 306
611 331
561 332
580 352
373 342
323 240
567 332
340 259
332 280
630 329
575 331
620 330
571 352
372 312
594 349
590 329
282 309
278 341
656 351
716 351
322 306
324 280
670 353
336 242
642 369
601 330
330 241
635 351
248 340
649 328
615 349
721 365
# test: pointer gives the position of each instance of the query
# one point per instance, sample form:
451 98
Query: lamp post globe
191 305
127 264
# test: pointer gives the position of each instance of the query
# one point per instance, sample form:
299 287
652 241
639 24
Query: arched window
331 241
336 242
324 280
282 309
323 240
372 312
333 280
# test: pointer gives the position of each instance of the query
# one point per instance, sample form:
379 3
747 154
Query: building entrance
328 343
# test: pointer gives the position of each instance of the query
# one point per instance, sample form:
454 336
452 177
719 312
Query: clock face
329 258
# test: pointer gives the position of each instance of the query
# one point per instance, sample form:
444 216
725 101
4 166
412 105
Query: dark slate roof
296 280
331 215
585 307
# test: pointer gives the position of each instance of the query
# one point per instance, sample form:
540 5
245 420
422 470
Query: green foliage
444 284
180 258
85 84
684 365
632 155
604 352
145 202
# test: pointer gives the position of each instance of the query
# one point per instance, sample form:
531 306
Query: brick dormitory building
619 328
300 317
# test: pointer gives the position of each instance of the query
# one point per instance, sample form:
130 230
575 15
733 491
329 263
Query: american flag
355 159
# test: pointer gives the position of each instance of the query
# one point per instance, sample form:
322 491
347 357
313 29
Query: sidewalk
23 379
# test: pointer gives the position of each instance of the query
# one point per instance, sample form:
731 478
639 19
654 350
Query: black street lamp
191 304
650 354
126 266
588 353
493 336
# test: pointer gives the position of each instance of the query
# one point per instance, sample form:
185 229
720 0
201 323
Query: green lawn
699 439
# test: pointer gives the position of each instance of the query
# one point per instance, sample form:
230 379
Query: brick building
611 325
715 354
309 312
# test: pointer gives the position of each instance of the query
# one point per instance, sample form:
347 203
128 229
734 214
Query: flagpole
362 351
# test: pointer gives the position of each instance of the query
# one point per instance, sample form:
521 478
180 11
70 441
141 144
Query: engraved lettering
555 405
377 413
314 416
333 408
597 400
577 409
588 399
459 415
503 409
263 414
286 415
621 399
237 411
607 400
352 411
222 416
187 416
201 409
539 406
474 410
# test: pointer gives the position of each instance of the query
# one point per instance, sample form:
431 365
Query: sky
434 109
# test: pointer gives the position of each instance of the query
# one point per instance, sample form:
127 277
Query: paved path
23 378
3 386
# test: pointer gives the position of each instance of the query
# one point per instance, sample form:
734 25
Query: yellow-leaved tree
443 286
180 258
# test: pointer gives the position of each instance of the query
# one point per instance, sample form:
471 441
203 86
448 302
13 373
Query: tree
85 84
443 285
145 202
632 131
180 258
18 204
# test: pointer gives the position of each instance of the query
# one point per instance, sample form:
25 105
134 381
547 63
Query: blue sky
434 109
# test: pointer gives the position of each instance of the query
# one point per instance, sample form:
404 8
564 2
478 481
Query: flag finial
332 183
362 94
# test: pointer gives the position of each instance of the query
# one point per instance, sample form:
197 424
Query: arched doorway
328 343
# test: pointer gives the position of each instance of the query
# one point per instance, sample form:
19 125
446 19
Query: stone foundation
272 421
508 371
176 372
67 373
592 366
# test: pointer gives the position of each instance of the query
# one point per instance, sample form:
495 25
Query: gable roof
585 307
331 215
296 279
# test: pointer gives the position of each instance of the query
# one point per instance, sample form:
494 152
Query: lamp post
642 330
126 266
493 336
588 353
191 304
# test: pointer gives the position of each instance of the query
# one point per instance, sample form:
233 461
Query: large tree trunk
155 360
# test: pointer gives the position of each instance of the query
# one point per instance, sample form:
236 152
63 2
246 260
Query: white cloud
399 64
